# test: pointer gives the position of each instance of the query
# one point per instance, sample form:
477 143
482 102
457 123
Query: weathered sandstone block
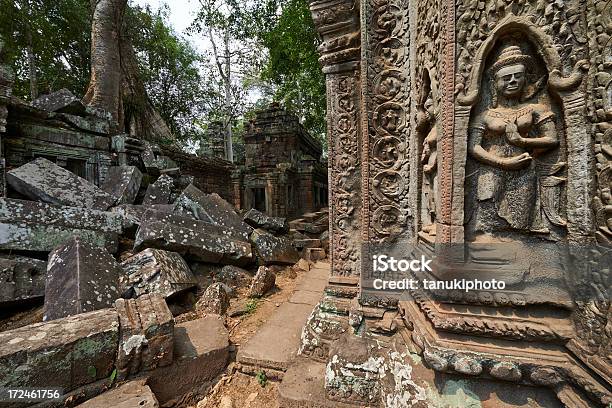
262 283
257 219
32 226
21 278
155 271
273 250
80 278
213 209
123 182
45 181
66 353
193 239
159 192
146 336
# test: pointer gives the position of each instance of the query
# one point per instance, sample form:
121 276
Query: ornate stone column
338 24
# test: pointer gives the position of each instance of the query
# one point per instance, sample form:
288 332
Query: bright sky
181 15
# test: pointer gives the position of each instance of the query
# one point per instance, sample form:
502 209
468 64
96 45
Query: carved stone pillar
338 24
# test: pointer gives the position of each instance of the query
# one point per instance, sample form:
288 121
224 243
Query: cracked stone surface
21 279
159 192
213 209
155 271
122 182
257 219
32 226
80 278
146 336
192 239
45 181
273 250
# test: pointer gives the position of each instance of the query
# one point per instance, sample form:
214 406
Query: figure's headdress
509 56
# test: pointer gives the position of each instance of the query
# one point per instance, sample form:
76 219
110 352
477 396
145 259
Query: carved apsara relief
516 180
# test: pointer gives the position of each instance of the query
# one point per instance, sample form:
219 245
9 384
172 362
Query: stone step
303 386
276 343
129 395
201 352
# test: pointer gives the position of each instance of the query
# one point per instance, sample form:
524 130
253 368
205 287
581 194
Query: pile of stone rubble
109 259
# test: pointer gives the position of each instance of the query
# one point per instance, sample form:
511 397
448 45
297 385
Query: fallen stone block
60 101
21 279
213 209
134 214
257 219
155 271
45 181
262 283
146 335
314 254
32 226
314 228
193 239
80 278
324 237
129 395
159 192
307 243
66 353
91 124
273 250
234 276
201 352
122 183
215 300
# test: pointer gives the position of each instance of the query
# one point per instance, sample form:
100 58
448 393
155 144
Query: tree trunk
115 84
229 145
30 52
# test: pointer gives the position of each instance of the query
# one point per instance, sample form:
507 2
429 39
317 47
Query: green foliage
112 377
293 65
169 67
262 379
252 305
60 42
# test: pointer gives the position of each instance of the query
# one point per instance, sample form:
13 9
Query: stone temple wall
476 133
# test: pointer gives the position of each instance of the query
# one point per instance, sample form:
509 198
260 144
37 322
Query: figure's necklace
509 114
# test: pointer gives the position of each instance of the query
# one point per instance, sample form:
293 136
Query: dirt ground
238 390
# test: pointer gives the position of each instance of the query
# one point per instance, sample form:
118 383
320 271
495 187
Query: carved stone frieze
386 137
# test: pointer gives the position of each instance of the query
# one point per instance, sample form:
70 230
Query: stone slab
192 239
257 219
146 336
122 183
159 191
32 226
273 250
134 394
60 101
201 352
80 278
213 209
155 271
306 297
303 386
276 343
66 353
307 243
45 181
21 279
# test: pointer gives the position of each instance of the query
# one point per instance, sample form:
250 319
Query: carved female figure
511 140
